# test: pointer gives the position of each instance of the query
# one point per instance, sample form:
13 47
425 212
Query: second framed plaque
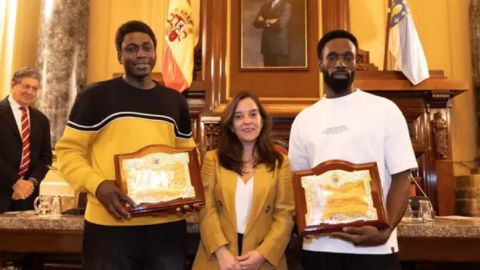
160 178
337 194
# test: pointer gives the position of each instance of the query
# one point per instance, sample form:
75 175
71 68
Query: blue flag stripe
399 11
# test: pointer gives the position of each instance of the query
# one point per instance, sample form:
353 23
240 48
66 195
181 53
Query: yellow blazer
270 221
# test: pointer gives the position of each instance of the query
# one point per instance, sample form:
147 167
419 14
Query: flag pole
387 35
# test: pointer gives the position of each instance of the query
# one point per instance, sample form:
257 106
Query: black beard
338 86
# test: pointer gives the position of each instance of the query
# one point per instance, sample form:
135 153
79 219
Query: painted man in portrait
273 18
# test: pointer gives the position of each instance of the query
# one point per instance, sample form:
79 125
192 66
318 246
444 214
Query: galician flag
405 45
179 44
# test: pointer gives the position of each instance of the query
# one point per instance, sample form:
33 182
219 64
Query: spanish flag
179 44
404 44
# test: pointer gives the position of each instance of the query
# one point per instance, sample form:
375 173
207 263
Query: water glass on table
425 211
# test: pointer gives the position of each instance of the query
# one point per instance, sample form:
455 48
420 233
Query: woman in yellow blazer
247 220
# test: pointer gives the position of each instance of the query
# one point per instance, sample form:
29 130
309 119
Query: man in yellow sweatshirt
121 116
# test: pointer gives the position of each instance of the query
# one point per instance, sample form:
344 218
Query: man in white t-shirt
352 125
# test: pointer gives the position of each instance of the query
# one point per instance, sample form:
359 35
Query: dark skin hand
111 197
397 201
187 210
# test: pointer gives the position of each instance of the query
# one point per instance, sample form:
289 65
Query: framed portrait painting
273 34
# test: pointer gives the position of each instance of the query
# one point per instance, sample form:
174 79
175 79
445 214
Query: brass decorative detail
440 99
441 135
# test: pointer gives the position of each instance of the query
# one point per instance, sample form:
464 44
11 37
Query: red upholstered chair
281 146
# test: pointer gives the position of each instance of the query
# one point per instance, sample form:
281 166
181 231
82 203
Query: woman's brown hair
230 149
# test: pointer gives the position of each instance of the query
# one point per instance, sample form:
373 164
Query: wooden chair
281 146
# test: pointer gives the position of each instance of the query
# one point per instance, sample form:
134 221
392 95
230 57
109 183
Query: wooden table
444 244
57 243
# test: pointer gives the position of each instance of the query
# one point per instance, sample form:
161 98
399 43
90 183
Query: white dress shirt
274 3
243 202
17 113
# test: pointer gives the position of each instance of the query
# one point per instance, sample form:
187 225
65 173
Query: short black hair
335 34
133 26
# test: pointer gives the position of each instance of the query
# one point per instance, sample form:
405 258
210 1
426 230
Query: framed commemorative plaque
337 194
159 178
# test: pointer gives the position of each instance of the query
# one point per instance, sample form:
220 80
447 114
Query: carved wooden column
335 15
440 133
209 132
441 186
214 51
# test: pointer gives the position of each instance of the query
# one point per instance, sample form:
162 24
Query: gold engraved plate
338 197
158 177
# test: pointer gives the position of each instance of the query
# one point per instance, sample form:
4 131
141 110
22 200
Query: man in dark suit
26 150
273 19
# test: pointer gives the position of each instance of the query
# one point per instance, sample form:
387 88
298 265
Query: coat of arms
179 26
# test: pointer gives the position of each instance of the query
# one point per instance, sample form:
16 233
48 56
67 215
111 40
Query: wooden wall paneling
196 104
279 86
41 241
420 104
415 114
439 249
414 108
445 187
426 166
284 93
214 51
281 128
335 15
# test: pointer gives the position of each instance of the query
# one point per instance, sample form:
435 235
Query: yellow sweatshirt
113 117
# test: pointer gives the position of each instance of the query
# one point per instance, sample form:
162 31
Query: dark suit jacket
11 153
275 36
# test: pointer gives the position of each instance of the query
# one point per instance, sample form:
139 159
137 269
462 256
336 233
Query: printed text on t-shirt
335 130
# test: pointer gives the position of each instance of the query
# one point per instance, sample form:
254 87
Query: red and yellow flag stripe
179 44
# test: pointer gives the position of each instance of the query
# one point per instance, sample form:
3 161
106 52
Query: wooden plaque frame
301 204
149 208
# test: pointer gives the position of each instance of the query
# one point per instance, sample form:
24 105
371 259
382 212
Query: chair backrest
281 146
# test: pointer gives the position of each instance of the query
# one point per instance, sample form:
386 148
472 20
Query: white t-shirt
358 128
243 202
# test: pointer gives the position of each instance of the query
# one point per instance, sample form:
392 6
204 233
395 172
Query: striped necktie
26 143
